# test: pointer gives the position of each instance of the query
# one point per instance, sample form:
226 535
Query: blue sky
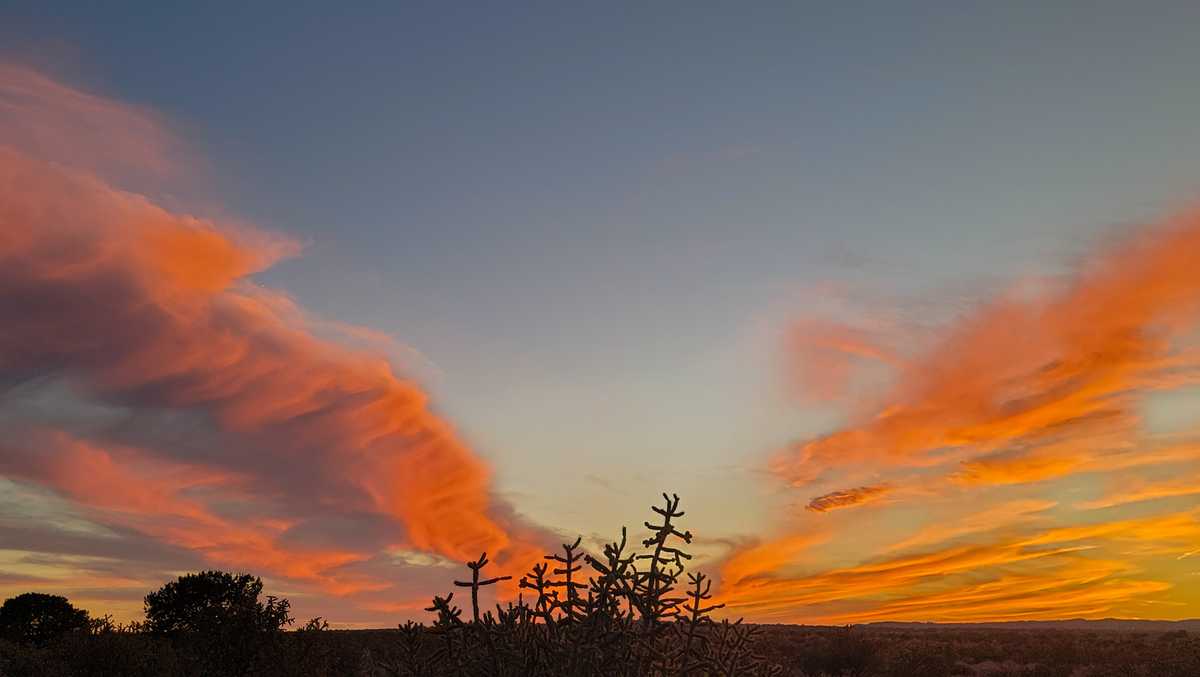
594 225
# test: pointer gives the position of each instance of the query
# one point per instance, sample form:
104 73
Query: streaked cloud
1026 370
1048 573
847 498
44 118
154 313
1146 491
997 518
984 442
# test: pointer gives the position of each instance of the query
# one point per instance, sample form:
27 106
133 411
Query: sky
902 301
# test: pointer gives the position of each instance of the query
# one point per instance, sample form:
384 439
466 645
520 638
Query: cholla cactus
547 599
475 584
731 652
664 566
692 645
628 617
571 606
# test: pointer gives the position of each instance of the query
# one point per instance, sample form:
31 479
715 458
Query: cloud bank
1057 375
240 436
1022 478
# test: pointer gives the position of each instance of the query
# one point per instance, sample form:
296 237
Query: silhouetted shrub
212 601
216 620
35 618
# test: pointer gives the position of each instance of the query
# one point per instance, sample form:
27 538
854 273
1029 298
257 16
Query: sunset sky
903 302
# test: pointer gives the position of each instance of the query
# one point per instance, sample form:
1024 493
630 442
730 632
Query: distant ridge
1104 624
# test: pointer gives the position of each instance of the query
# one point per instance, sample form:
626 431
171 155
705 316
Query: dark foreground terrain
996 651
625 611
880 651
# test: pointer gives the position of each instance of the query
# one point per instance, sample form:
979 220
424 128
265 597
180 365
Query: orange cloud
1082 455
999 517
1026 391
45 119
1022 372
847 498
764 559
1075 587
162 498
138 307
825 355
1145 492
1058 576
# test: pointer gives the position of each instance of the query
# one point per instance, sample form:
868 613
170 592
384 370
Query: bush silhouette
214 601
35 618
215 621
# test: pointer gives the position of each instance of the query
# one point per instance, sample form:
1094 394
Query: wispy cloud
43 118
1048 573
997 518
1024 372
152 311
979 440
847 498
1140 492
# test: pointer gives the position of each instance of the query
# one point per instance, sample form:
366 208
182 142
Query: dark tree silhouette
35 618
214 602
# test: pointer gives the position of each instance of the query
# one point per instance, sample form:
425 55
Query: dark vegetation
35 618
622 612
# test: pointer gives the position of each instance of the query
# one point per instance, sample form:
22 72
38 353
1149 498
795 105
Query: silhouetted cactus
475 584
571 605
628 618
